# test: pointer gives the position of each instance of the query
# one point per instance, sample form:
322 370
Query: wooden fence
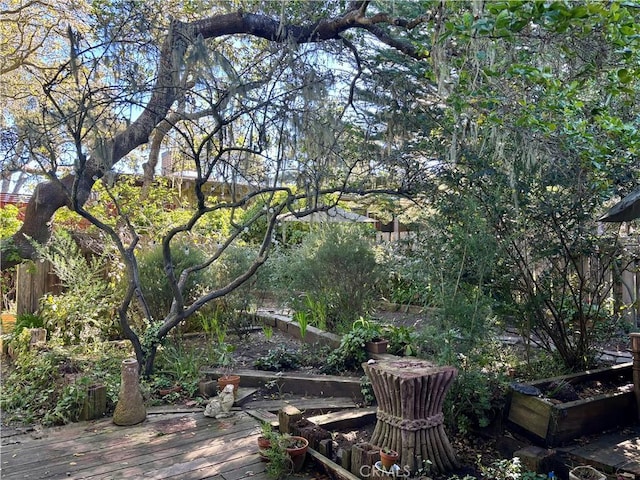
33 281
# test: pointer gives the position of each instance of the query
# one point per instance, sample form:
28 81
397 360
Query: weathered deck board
306 404
617 451
180 445
123 443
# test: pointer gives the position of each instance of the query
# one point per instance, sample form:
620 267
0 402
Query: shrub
50 387
182 364
9 222
153 279
351 353
235 261
85 310
27 320
278 359
335 267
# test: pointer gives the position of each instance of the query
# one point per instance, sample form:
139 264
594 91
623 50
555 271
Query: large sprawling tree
263 98
111 115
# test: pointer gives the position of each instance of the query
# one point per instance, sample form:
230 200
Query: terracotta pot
167 391
263 444
229 380
297 451
298 454
388 459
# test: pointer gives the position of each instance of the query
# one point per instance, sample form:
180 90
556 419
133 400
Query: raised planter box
556 424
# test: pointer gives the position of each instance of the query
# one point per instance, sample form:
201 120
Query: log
312 432
287 417
363 455
38 337
95 405
326 447
410 395
345 458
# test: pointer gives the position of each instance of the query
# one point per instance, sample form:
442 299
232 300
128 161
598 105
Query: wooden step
297 383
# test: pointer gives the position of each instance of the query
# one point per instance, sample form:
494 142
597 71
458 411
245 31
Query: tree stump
363 457
312 432
287 417
95 405
410 394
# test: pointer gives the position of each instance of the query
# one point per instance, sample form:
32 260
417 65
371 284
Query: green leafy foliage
351 353
153 280
182 365
85 310
402 340
366 388
49 387
336 268
505 469
9 222
279 359
475 399
27 320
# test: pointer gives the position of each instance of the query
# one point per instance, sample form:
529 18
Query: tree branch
49 197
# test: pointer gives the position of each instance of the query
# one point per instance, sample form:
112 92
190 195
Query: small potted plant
295 446
371 333
226 360
266 438
388 457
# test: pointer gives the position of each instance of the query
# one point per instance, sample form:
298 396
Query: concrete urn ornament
220 406
130 409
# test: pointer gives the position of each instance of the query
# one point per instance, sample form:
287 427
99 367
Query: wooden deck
613 452
184 445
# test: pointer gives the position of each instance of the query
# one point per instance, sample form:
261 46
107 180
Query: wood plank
307 405
128 437
237 468
83 429
297 383
143 459
584 417
623 369
263 416
173 446
333 469
354 418
121 447
531 413
614 452
203 461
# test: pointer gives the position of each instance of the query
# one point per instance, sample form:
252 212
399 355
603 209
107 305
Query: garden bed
554 422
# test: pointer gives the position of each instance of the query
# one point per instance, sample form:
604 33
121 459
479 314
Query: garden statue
220 406
130 409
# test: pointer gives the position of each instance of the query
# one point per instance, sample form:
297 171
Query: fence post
635 349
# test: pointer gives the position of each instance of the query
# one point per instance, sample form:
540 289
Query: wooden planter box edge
557 424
